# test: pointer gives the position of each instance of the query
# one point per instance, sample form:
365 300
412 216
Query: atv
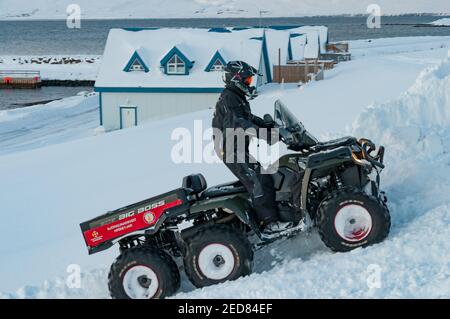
211 233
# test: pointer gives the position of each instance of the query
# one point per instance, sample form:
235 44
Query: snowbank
423 107
416 128
107 9
93 283
442 22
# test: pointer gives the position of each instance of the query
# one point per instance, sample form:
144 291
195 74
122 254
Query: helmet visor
248 81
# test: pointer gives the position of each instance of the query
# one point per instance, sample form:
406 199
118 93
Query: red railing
19 79
15 74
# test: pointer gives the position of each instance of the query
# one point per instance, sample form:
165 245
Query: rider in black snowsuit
233 112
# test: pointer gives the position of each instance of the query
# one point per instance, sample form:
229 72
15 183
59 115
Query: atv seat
224 190
344 141
194 184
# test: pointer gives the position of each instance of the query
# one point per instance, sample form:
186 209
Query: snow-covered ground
47 191
59 121
415 260
55 67
111 9
442 22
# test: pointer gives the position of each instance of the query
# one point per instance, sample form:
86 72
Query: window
176 66
136 66
217 66
176 63
217 63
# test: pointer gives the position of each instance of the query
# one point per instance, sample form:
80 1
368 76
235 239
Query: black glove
258 121
295 148
268 121
265 123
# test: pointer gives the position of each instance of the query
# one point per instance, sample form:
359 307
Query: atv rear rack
102 232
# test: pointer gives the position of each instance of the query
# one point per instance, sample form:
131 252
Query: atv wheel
349 218
143 273
217 254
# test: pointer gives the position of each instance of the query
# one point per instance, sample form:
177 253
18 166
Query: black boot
277 227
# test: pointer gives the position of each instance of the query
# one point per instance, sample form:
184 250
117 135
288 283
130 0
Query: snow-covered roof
277 47
298 43
198 46
308 42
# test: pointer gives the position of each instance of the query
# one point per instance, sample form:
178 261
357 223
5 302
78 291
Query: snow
414 260
442 22
312 46
391 46
48 191
198 45
56 122
298 44
404 273
113 9
52 67
277 47
350 86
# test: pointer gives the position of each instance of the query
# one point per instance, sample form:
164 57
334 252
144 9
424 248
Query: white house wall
152 106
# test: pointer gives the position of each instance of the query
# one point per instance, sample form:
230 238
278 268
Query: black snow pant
261 189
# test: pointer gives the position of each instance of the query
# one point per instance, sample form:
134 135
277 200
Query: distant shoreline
219 17
70 83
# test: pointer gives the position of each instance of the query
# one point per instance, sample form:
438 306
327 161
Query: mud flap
296 187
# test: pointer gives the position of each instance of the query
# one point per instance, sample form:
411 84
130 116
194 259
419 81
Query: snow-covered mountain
110 9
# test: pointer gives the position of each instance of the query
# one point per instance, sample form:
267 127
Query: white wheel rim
216 261
353 223
140 282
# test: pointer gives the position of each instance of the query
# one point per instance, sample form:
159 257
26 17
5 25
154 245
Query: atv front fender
319 164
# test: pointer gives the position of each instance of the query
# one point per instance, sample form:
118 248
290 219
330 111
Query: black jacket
233 111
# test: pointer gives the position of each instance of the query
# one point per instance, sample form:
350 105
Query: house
157 73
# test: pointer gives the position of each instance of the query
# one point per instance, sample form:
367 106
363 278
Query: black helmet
239 74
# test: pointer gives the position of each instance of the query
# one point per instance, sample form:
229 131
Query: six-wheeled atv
333 186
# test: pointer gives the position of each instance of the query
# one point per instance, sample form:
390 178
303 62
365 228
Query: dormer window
176 66
176 63
217 63
217 66
136 64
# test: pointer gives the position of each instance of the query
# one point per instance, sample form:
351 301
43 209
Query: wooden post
306 71
279 65
316 65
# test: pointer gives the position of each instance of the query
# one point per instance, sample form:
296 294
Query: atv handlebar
367 147
297 138
285 135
